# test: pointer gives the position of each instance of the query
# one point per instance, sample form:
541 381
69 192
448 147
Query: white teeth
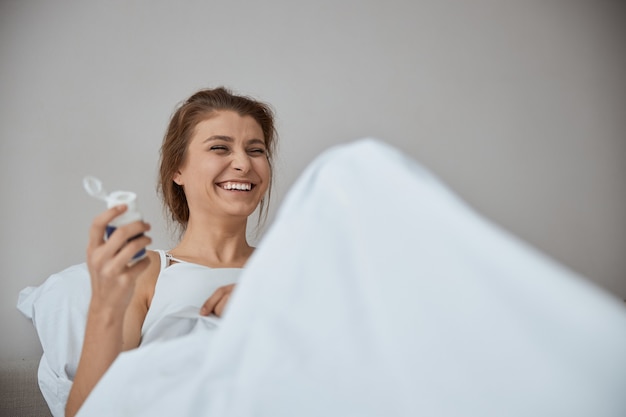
237 186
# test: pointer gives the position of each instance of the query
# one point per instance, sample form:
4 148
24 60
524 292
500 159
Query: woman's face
226 171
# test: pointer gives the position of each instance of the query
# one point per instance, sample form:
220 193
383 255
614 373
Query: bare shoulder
140 303
148 278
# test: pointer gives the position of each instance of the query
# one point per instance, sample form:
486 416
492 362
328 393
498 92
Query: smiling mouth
236 186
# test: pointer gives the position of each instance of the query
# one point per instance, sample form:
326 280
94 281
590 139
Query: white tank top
180 291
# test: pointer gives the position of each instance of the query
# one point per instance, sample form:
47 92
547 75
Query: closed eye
257 151
219 148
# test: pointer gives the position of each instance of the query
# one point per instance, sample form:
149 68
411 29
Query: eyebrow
229 139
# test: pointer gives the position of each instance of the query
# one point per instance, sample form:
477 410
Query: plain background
519 106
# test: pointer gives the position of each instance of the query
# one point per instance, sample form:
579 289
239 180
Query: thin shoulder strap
163 258
171 259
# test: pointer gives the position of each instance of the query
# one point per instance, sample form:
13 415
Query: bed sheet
377 292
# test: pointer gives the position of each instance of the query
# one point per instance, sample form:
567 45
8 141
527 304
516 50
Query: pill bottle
131 214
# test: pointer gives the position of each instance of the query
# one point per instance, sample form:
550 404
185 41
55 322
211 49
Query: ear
178 178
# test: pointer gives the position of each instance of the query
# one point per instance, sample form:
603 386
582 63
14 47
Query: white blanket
377 292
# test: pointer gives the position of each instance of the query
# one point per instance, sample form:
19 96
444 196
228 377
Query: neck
214 243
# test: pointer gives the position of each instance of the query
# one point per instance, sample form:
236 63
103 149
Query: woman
401 300
215 171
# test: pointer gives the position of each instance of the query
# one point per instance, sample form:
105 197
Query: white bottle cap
129 199
117 198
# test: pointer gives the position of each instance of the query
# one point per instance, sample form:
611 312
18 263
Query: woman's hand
113 280
112 274
217 302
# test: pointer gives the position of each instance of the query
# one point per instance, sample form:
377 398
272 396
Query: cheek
265 172
202 166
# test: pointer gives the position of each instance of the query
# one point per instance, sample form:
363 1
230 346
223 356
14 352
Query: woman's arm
113 283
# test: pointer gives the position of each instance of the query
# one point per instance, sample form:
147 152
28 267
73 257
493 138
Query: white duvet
377 292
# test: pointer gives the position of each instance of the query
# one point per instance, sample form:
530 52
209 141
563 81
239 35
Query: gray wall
519 106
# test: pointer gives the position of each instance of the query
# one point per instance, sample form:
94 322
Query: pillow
58 310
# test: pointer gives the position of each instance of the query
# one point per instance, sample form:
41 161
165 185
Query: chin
241 211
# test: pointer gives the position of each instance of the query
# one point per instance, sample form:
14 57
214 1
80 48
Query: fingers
217 302
221 306
112 271
99 224
130 248
113 277
112 257
211 302
116 254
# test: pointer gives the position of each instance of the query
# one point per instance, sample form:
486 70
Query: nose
241 162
